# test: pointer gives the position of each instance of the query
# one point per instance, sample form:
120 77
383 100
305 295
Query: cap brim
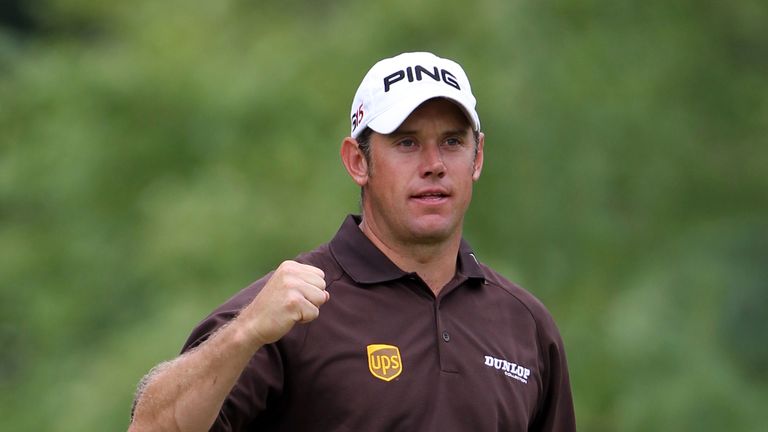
388 121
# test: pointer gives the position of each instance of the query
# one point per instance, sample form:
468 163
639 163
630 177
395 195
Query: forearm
187 393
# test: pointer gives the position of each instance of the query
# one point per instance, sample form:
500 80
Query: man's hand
292 295
187 393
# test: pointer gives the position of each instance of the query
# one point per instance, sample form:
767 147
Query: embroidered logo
510 369
357 117
384 361
418 72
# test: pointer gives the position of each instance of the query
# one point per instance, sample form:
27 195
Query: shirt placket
444 333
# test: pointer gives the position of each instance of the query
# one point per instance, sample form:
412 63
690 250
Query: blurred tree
15 16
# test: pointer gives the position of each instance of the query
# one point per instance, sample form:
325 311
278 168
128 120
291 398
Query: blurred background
157 156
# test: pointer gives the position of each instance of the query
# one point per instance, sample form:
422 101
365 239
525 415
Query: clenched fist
292 295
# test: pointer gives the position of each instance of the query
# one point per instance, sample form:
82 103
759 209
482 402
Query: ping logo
510 369
417 72
384 361
357 117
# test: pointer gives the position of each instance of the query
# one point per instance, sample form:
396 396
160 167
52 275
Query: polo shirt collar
365 263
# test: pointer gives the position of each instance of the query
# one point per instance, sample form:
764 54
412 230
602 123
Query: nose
432 162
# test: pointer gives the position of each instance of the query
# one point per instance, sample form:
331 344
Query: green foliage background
157 156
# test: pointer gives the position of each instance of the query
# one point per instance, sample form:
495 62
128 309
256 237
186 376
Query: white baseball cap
396 86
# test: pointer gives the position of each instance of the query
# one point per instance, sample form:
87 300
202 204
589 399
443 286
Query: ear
478 164
354 161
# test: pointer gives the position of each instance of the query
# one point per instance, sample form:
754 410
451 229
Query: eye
406 144
452 142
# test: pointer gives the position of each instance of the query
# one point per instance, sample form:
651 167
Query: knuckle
291 298
310 313
294 300
286 265
288 280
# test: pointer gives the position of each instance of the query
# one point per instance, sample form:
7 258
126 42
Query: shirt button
446 336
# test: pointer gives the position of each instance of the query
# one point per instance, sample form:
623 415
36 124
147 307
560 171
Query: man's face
420 177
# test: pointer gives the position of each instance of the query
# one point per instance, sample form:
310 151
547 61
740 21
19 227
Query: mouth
430 196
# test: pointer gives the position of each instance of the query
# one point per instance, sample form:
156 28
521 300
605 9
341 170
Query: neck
434 262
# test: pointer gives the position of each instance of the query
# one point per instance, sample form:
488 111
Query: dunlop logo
384 361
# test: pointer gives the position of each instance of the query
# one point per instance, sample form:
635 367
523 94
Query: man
393 325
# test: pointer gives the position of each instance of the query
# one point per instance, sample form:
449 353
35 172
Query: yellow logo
384 361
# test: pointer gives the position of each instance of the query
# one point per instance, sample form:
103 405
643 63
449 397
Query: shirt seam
538 333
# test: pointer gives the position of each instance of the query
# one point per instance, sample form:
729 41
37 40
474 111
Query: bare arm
187 393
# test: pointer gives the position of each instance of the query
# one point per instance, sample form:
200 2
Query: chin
433 231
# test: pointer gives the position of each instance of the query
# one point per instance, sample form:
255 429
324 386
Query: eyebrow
457 131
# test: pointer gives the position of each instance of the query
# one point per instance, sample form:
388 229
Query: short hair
364 143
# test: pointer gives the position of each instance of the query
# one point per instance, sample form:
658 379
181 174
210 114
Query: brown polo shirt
386 355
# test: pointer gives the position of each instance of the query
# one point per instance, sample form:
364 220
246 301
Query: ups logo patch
384 361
